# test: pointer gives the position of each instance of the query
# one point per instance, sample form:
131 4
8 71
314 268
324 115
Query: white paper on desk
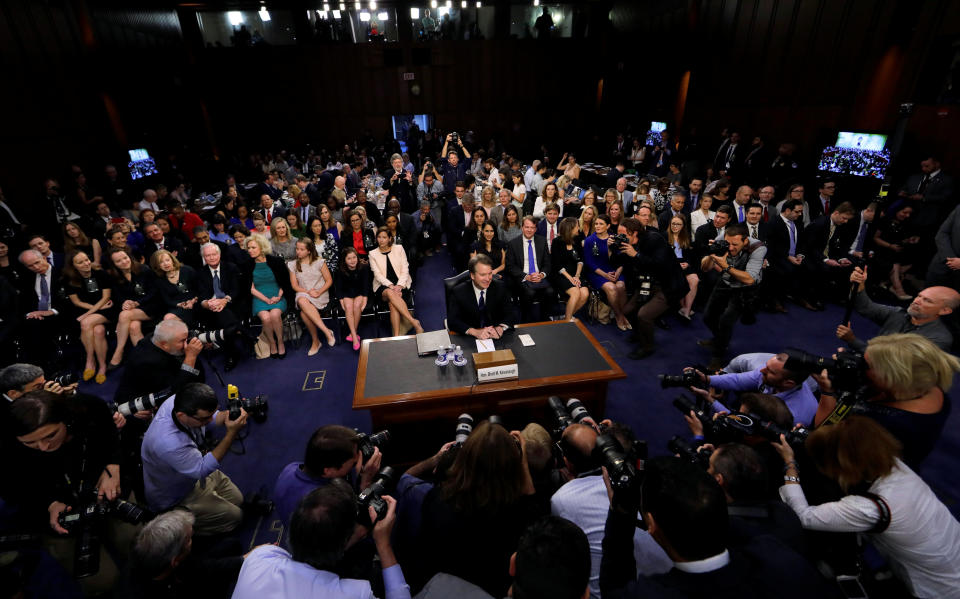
485 345
527 340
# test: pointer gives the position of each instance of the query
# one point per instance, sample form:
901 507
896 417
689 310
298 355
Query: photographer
163 565
909 378
169 360
399 184
178 471
742 474
486 497
332 453
774 378
740 267
452 169
885 499
430 189
685 511
646 254
72 459
584 502
923 316
322 528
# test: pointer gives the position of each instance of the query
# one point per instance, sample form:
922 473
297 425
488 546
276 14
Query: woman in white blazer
391 280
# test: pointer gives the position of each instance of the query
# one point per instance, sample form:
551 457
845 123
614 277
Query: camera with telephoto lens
846 371
454 137
372 496
147 402
87 522
65 379
679 446
624 466
256 407
689 378
215 338
367 444
560 413
464 428
719 247
735 427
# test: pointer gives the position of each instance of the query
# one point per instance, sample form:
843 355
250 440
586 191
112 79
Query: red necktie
551 235
826 206
268 217
766 216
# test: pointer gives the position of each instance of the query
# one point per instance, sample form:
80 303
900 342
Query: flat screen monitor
403 122
855 162
141 164
851 140
653 135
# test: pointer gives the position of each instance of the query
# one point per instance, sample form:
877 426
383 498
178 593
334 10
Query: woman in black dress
491 246
135 292
89 292
353 285
177 285
679 240
897 245
566 258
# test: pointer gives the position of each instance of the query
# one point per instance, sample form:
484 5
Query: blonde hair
586 231
909 365
280 221
266 247
294 190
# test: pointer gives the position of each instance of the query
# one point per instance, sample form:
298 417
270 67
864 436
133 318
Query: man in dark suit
168 361
932 193
40 304
481 306
677 202
756 229
221 299
826 246
41 244
615 173
729 156
686 513
528 265
824 204
459 212
192 255
156 240
784 256
266 187
944 269
549 227
713 230
271 209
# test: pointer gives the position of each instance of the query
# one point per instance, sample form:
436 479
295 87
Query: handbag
598 310
292 330
261 348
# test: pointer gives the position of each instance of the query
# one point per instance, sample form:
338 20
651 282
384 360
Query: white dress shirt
525 243
922 542
36 287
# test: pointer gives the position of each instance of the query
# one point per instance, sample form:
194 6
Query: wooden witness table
400 388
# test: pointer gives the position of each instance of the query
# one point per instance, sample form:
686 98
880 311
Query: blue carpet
307 392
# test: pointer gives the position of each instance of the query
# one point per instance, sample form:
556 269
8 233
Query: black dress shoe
275 356
662 324
229 364
640 353
282 356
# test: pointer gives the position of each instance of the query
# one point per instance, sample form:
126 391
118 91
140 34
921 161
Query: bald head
932 303
744 192
582 437
340 181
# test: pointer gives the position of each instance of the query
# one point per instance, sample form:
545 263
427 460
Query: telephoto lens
679 446
372 496
560 413
367 444
464 428
146 402
577 410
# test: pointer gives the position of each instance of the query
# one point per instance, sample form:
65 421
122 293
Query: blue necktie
217 290
793 237
740 212
481 305
44 303
531 261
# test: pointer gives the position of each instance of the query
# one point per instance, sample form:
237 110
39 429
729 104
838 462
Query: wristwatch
726 270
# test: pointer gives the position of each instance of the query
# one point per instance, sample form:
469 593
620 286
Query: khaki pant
215 503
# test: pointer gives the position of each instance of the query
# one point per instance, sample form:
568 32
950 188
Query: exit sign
408 77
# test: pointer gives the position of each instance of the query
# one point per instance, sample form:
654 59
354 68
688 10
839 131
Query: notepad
484 345
526 340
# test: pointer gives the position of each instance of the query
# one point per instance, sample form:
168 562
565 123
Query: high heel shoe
274 356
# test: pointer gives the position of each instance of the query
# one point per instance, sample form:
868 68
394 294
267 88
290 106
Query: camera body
86 522
574 412
737 426
464 428
846 371
372 496
257 406
679 446
617 239
719 247
367 444
688 378
454 138
625 467
65 379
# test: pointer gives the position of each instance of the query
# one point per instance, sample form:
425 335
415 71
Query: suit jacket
455 225
937 196
542 229
29 300
278 210
496 215
311 212
816 207
230 282
171 244
663 221
373 213
815 240
763 230
262 188
515 253
463 312
150 369
701 240
378 265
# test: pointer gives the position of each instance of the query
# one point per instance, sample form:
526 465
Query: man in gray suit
944 269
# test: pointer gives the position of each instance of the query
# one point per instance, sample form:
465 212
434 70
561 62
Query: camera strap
883 507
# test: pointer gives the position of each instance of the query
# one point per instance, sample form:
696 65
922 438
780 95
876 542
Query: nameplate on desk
497 373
